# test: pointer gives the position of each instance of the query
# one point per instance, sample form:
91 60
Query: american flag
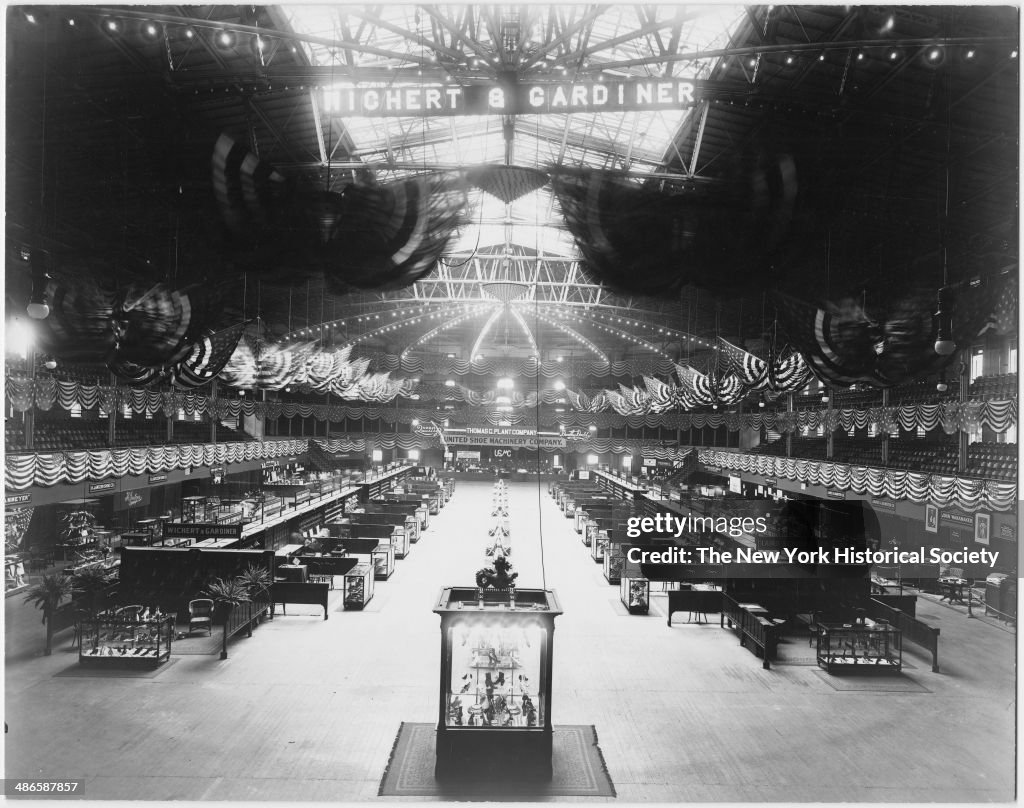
836 347
752 370
208 357
245 188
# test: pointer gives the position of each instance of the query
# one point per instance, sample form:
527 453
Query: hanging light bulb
37 307
944 344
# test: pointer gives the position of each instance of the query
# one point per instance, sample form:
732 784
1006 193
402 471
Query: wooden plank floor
307 710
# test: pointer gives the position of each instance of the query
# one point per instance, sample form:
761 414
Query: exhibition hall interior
496 402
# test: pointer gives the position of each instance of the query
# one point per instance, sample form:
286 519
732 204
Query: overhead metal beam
477 47
566 35
376 20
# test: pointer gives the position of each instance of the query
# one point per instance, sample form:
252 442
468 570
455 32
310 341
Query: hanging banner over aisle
529 441
509 98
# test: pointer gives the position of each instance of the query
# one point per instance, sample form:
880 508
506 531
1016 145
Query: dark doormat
577 763
199 644
99 672
897 683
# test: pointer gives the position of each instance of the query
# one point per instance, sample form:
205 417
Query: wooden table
952 589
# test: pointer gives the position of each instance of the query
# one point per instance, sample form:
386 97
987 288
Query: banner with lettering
510 98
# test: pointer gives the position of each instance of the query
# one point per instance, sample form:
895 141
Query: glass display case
383 561
598 545
613 563
495 695
635 594
358 589
119 641
864 648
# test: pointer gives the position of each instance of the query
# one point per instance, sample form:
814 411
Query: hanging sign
510 98
132 498
956 518
96 488
157 478
517 441
196 530
17 499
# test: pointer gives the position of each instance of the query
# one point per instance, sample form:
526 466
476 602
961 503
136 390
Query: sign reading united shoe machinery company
511 98
529 441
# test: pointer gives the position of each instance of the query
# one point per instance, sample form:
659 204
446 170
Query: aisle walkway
308 709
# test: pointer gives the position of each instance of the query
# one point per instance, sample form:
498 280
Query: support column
963 437
213 411
112 414
789 434
29 416
885 437
830 443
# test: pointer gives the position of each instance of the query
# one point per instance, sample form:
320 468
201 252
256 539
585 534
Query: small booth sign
198 530
157 478
17 499
132 498
96 488
956 518
834 493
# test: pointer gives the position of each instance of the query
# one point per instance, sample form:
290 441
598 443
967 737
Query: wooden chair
200 615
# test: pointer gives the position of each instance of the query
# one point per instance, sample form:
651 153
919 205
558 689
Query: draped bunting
25 470
951 416
521 367
970 494
345 443
311 369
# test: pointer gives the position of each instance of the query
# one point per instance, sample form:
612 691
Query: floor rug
578 769
199 644
78 671
798 653
897 683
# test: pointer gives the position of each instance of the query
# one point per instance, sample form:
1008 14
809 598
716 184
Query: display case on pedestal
635 594
495 694
358 587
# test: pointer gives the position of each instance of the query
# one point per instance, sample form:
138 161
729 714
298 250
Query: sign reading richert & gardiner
509 98
198 530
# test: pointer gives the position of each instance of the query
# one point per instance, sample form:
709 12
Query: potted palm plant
48 595
256 580
227 594
92 583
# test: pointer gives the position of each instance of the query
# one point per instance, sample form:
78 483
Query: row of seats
1002 386
993 460
74 435
996 461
